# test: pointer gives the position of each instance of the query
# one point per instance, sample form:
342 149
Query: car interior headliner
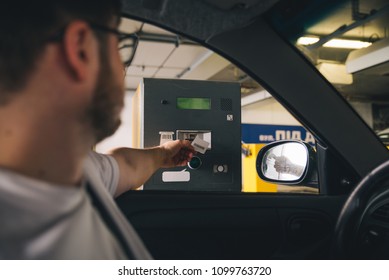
197 19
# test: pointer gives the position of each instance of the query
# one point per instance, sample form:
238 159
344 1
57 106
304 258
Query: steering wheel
357 235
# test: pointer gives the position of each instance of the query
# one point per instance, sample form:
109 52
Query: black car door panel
177 225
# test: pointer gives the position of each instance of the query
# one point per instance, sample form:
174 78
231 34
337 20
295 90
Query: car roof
197 19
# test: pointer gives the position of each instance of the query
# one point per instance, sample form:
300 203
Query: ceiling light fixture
334 43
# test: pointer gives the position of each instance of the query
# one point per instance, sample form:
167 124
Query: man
61 91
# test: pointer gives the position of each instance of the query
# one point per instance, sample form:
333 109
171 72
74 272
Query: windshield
348 42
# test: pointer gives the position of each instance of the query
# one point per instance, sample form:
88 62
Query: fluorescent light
346 44
307 40
335 43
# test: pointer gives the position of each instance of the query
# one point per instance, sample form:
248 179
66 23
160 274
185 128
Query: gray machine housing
157 116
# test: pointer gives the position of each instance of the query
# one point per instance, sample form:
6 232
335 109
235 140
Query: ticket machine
205 112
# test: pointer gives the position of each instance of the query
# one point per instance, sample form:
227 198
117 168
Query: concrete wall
365 110
267 111
123 136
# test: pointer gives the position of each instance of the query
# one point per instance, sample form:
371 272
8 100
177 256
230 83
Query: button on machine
195 163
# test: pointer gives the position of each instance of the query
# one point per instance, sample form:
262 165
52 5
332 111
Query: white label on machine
166 136
200 145
176 176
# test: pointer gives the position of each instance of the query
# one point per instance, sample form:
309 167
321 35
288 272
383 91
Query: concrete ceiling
367 85
167 55
176 57
159 59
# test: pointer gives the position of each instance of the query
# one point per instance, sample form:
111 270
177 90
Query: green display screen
193 103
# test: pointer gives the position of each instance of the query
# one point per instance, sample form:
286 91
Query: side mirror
286 162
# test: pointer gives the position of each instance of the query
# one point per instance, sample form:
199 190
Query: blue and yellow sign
265 133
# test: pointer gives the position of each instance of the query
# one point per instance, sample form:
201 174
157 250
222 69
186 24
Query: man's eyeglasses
127 43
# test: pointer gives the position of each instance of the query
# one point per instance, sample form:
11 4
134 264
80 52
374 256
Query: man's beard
107 101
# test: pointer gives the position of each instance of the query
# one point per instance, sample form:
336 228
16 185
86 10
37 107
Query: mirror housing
288 162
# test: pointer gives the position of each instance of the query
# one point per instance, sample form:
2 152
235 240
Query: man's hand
283 165
176 153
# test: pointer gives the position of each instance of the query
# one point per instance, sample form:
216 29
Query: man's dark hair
27 25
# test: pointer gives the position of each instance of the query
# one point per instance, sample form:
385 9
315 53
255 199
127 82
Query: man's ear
80 49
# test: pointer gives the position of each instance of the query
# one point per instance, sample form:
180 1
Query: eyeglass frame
121 36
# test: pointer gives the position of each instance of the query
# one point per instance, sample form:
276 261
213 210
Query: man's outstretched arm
137 165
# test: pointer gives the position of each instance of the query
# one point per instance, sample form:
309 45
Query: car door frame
178 225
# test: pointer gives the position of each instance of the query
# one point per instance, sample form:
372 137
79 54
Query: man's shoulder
101 162
102 170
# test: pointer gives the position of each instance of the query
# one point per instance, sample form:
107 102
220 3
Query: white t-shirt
40 220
